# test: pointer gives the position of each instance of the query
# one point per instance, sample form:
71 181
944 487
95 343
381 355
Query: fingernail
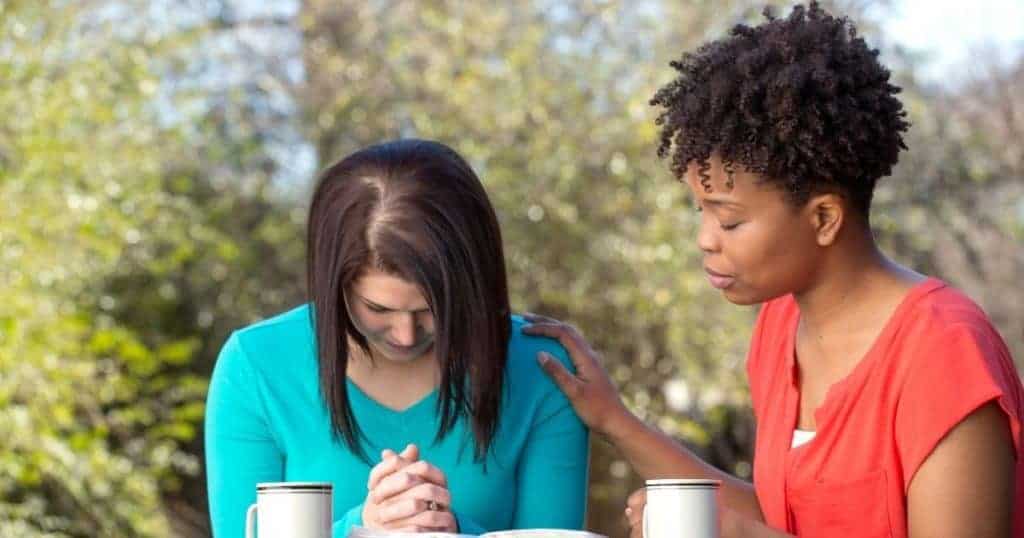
543 358
629 511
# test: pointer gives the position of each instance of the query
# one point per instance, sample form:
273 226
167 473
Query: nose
707 238
403 331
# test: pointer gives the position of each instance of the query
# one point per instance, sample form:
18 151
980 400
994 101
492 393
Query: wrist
732 524
618 423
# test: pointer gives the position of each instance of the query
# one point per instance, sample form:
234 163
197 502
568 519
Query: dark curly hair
801 101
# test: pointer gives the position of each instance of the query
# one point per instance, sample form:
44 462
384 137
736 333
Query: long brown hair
414 209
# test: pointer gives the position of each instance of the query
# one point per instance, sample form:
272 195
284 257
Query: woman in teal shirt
405 381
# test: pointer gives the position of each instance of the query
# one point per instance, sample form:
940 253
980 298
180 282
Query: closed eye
726 227
375 307
378 309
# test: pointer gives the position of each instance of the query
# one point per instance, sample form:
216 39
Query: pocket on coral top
846 508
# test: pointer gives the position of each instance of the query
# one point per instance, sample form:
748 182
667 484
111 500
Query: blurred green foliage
150 202
93 413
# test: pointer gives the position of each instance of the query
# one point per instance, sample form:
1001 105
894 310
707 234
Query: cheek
772 258
751 247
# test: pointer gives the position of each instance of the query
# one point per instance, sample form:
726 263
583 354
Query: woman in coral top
886 403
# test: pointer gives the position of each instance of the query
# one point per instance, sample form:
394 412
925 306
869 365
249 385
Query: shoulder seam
288 317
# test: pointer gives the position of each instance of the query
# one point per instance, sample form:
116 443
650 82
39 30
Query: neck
362 367
852 274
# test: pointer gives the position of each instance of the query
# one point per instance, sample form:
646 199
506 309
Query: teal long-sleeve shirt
266 422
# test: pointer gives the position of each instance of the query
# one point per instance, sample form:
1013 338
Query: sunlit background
156 161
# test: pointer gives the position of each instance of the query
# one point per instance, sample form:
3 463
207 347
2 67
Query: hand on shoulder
590 390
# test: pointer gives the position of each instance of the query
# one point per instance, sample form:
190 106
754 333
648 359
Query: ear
827 213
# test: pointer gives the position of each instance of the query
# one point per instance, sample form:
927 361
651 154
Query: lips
719 280
401 349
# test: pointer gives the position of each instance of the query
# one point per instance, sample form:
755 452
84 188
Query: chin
403 359
741 298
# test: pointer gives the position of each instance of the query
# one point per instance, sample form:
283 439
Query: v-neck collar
836 392
359 396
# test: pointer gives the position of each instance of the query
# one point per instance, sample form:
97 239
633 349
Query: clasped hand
408 494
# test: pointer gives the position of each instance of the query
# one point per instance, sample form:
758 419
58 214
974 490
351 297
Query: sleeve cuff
352 518
468 526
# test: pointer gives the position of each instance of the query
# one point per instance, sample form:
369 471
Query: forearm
656 455
738 525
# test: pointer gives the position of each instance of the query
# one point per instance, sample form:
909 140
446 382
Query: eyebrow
389 309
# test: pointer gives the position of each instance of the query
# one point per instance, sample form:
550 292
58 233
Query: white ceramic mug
678 508
291 510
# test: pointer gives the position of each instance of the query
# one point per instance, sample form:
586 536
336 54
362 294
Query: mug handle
250 522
